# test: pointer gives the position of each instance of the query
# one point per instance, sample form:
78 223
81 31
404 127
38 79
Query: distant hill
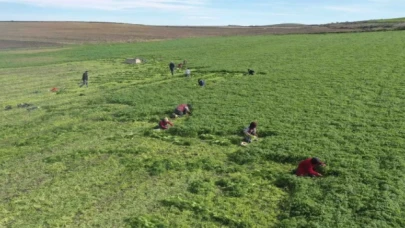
370 25
286 25
391 20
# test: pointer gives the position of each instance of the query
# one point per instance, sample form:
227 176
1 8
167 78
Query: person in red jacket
164 123
182 109
306 167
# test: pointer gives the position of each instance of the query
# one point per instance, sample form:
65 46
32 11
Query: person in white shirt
188 73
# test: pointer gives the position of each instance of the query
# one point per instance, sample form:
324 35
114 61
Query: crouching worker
201 82
188 72
306 167
182 109
164 123
250 132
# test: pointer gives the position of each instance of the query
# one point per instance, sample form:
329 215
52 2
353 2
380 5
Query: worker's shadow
235 72
226 72
199 67
262 133
256 73
267 133
157 116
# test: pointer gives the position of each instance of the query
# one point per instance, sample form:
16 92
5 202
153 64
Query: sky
201 12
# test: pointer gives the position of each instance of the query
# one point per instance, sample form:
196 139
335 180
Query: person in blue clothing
201 82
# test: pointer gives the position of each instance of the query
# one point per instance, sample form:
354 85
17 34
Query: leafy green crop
91 156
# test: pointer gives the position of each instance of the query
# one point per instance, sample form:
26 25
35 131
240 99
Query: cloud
116 4
202 18
350 9
380 1
281 4
387 2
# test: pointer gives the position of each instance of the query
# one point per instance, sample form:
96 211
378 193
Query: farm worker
188 72
183 109
85 79
306 167
250 132
164 123
251 72
201 82
172 66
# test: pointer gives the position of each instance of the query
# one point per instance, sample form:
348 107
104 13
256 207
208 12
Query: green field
88 157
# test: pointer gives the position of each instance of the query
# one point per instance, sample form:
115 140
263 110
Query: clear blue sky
201 12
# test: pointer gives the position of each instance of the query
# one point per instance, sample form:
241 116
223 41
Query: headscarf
253 125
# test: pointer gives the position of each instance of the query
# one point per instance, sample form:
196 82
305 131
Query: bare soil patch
45 34
48 34
15 44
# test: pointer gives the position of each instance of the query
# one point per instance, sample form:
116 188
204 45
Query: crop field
48 34
89 157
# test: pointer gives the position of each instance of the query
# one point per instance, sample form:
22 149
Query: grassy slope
87 157
390 20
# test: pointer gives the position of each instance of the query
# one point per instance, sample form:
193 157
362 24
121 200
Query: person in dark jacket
182 109
164 123
85 79
306 167
251 72
201 82
250 132
172 66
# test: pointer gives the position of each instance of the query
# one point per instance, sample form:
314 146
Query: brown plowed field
44 34
35 34
16 44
